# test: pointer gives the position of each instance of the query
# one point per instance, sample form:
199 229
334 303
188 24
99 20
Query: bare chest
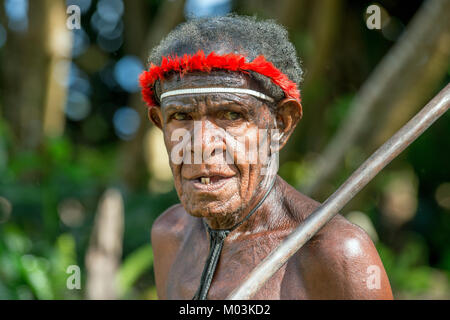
237 260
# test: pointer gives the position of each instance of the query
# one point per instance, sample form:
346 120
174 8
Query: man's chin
209 209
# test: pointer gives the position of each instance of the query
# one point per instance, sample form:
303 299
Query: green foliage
29 272
136 263
408 269
37 245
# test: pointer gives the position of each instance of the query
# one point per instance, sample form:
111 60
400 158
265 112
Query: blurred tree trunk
58 47
323 19
416 61
105 248
325 25
292 13
140 37
26 69
417 91
287 12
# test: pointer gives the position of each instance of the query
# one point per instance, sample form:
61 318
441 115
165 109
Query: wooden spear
324 213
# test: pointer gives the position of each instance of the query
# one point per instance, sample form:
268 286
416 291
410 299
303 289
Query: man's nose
208 137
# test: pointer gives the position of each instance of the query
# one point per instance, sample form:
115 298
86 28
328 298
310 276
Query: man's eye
231 115
180 116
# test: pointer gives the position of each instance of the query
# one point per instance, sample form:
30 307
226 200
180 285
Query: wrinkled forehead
219 78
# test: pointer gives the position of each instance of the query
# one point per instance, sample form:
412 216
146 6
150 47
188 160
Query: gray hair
235 34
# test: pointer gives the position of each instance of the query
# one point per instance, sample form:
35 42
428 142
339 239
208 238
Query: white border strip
217 90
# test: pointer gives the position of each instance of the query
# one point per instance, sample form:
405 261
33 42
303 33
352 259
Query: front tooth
205 180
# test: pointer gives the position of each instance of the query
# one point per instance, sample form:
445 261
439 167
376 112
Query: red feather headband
200 62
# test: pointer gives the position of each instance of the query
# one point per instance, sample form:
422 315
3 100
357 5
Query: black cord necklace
216 240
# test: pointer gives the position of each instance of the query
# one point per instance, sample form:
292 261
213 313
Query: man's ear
155 116
288 114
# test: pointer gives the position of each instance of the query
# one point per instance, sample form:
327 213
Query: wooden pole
363 175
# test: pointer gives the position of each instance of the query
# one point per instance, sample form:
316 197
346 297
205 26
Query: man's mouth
209 183
209 180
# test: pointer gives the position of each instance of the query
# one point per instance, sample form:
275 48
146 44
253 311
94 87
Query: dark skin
332 265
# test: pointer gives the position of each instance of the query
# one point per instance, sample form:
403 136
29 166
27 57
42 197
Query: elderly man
217 88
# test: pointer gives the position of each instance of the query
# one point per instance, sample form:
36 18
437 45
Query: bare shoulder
167 236
170 224
346 264
340 261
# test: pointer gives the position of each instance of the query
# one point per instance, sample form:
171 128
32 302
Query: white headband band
217 90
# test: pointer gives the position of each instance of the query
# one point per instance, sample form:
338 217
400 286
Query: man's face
212 185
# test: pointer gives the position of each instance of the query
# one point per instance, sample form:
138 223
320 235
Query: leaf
133 267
